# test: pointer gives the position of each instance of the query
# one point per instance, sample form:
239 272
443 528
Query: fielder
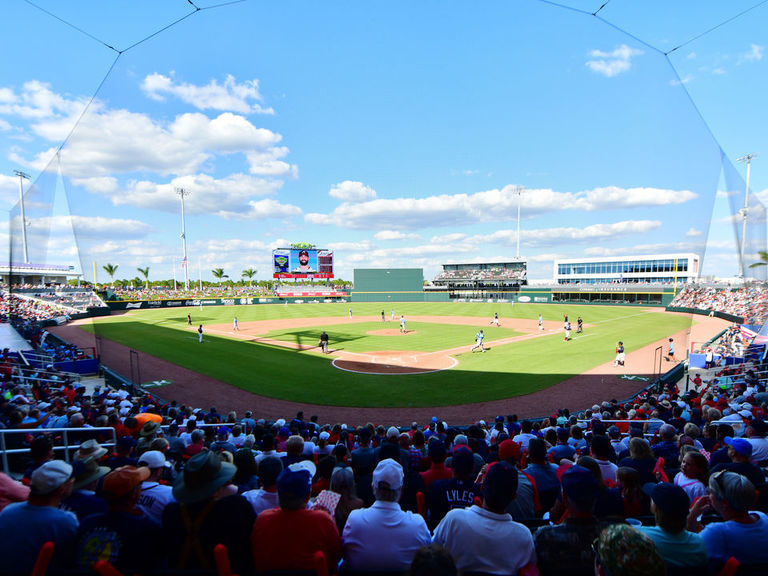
402 324
619 354
234 324
495 319
541 323
567 329
478 342
200 334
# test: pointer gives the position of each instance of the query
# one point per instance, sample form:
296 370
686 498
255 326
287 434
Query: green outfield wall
392 285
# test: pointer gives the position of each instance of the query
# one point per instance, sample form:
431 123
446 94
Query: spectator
743 533
154 496
543 472
622 550
601 452
26 526
246 478
693 475
122 536
756 435
83 500
265 498
565 549
526 503
432 560
740 451
641 459
207 513
286 538
398 535
11 491
457 492
464 531
343 483
562 449
678 547
438 470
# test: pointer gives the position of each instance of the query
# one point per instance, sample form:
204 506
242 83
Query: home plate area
393 362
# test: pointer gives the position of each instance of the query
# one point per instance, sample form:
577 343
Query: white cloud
351 191
559 235
230 197
693 232
754 54
231 96
682 80
611 64
36 100
394 235
490 205
85 227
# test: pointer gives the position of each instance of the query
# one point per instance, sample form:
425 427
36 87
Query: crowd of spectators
748 302
26 310
558 495
479 275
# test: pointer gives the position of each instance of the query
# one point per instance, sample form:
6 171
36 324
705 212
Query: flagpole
174 274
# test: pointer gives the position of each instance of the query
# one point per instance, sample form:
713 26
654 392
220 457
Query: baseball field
274 352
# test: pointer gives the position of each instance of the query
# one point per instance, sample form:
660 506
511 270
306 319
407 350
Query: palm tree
144 272
763 259
249 273
218 273
111 270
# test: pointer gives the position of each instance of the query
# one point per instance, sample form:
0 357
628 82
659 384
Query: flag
184 263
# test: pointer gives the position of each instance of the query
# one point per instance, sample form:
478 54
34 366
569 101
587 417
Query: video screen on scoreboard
302 263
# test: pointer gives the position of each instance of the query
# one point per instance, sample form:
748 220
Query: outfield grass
507 370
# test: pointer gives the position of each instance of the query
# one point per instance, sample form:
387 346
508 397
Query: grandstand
498 280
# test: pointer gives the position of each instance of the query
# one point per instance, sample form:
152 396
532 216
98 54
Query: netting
221 102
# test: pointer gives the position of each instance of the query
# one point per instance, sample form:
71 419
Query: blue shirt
26 528
744 541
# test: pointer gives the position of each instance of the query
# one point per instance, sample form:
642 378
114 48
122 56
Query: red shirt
436 472
288 539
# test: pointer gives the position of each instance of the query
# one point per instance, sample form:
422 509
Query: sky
397 134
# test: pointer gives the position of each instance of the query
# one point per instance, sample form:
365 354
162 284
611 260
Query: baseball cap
122 481
669 498
463 461
390 472
153 459
579 484
509 450
324 435
294 482
741 446
436 450
49 477
735 488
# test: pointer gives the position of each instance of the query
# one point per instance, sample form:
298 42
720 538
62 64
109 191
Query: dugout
392 285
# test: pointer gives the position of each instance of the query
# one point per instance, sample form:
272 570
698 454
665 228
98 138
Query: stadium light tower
519 191
744 211
184 263
22 176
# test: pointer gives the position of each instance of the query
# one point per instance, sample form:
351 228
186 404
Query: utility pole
22 176
184 263
744 211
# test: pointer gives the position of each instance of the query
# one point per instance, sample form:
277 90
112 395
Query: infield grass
530 364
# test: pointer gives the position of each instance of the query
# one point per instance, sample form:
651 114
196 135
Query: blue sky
394 133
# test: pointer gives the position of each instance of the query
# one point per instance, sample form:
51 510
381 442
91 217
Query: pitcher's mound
393 362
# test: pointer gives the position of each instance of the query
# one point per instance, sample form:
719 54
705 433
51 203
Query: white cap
50 476
153 459
304 465
324 435
390 472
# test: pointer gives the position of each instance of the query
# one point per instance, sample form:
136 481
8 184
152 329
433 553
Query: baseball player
579 325
200 334
495 319
234 324
619 354
478 342
567 329
402 324
541 323
671 350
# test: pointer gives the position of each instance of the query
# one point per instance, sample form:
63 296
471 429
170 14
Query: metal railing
69 440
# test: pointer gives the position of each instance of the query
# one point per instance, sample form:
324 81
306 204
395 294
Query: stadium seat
43 559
